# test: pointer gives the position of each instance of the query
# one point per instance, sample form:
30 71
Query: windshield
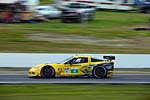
66 60
75 60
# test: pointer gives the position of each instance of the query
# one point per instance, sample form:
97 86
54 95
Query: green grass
74 92
13 37
46 1
105 24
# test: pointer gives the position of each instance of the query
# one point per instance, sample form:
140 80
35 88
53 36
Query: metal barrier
32 59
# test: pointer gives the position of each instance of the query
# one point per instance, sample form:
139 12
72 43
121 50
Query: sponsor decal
67 70
59 70
74 70
86 69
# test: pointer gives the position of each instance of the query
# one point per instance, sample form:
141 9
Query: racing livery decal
74 70
67 70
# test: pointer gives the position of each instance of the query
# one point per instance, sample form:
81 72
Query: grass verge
115 29
74 92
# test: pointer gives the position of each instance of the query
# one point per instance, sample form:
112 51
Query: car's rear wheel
99 72
47 72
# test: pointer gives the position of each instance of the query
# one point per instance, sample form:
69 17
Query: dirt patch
91 40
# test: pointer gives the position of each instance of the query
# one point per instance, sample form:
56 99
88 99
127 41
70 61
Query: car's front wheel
99 72
47 72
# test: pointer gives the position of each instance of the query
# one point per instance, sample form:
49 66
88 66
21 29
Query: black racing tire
47 72
99 72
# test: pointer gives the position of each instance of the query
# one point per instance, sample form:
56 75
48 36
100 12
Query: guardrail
32 59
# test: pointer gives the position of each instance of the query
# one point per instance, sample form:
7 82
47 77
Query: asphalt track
116 79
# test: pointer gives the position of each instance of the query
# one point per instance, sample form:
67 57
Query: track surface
116 79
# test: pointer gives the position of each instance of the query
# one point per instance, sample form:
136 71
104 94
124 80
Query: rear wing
109 57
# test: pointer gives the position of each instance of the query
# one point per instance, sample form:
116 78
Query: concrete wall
32 59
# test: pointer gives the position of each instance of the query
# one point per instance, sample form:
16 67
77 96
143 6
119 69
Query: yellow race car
76 66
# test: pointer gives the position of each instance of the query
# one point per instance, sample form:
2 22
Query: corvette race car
76 66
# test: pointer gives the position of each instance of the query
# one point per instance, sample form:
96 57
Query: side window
77 60
71 61
84 60
95 60
81 60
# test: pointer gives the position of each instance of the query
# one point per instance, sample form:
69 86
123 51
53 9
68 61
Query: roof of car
77 56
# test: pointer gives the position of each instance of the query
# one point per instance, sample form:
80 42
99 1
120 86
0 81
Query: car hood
39 66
